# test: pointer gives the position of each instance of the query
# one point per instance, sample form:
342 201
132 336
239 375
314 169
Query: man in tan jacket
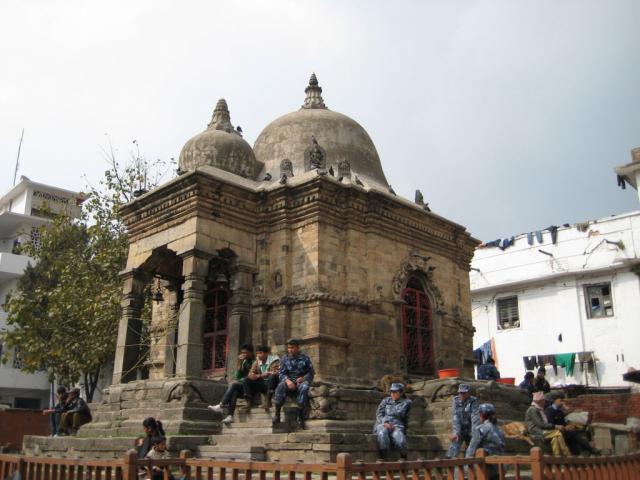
263 376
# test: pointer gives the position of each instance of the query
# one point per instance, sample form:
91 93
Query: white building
578 294
23 209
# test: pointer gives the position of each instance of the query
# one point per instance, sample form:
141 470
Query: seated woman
152 428
540 429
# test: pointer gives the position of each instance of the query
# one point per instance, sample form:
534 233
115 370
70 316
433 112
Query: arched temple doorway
417 328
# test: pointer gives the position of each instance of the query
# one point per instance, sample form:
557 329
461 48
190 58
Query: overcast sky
508 115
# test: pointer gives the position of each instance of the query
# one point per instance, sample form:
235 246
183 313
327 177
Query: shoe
248 406
275 420
300 420
215 408
403 458
228 419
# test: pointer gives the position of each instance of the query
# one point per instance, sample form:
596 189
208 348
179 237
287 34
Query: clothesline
565 360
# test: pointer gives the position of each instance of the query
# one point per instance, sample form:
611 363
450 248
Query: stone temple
300 236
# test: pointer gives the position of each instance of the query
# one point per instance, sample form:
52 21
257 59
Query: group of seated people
69 413
275 378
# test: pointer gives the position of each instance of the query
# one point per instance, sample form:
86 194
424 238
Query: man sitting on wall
527 383
58 408
488 371
236 387
392 418
295 376
540 384
540 429
76 414
263 376
556 413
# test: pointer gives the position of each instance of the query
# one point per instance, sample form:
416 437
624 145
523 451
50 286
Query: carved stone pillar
195 265
128 343
240 312
171 339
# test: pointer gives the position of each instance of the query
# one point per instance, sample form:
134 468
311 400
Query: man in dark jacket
236 387
488 371
540 384
76 414
556 413
58 408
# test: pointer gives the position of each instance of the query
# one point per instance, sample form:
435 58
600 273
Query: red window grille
417 330
216 332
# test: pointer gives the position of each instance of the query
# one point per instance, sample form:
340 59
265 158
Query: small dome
221 146
314 127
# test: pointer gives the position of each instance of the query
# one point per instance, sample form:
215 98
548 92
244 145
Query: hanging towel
530 363
539 236
493 243
566 360
477 356
544 360
530 238
486 351
554 233
506 243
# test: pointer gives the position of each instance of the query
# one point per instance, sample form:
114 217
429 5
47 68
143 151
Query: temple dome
221 146
293 136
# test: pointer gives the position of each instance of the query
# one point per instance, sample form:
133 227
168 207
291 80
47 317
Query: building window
417 329
216 339
508 316
598 298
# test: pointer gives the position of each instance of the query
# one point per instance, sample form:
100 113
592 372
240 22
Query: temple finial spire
314 94
221 119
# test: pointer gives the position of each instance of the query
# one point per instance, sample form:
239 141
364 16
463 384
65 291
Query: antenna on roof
15 173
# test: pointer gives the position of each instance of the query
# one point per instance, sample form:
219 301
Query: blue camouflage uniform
294 368
486 371
488 436
465 417
397 414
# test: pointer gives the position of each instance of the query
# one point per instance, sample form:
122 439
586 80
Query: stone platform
340 420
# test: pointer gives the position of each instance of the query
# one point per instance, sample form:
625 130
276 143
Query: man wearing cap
295 377
541 384
487 436
465 417
392 417
75 415
488 371
540 429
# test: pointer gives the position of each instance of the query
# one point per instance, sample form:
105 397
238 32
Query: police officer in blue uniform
295 377
392 418
465 417
487 436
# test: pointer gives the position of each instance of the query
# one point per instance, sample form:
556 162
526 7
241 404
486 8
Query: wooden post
343 462
130 467
481 472
537 464
185 469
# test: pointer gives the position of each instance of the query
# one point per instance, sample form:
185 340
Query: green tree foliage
63 317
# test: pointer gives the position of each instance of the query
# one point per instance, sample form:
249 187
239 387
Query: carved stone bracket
416 263
310 296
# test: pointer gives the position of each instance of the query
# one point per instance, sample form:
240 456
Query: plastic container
507 380
449 373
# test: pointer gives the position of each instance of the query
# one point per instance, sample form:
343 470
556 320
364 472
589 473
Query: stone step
257 439
234 452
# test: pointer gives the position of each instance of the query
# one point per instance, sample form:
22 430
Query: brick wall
16 423
614 408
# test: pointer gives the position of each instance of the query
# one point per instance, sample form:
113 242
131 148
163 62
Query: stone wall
612 408
16 423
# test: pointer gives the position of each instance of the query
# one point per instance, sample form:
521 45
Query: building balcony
12 266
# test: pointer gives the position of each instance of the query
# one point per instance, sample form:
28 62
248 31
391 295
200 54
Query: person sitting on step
295 377
152 428
263 376
235 388
488 436
76 413
158 452
540 429
392 418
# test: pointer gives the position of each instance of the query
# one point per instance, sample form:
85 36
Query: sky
509 116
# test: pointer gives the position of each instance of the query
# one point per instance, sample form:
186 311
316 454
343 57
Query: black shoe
301 419
403 458
275 421
381 456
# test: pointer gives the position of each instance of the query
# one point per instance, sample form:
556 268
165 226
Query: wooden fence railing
535 466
